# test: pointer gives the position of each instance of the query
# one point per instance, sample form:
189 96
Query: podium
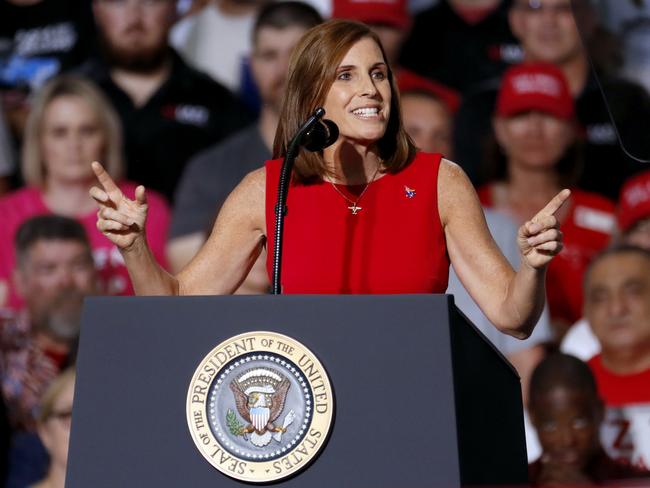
422 399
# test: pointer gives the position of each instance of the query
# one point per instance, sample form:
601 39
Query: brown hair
312 71
33 164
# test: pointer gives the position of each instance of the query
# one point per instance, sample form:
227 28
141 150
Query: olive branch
235 427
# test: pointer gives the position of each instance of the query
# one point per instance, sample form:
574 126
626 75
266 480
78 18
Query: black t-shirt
605 165
443 47
188 113
38 41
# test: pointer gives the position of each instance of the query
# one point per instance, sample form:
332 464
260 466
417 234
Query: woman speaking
368 214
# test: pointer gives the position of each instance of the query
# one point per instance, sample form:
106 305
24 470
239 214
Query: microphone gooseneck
315 135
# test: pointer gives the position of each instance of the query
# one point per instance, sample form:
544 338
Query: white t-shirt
215 43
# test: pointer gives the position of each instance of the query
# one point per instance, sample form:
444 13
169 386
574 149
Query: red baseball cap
408 81
634 202
387 12
535 86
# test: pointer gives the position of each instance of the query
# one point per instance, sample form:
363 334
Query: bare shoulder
254 183
247 200
455 191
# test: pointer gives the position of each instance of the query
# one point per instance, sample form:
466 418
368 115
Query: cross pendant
354 209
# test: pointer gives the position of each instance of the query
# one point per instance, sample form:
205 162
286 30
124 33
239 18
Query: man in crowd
633 219
212 175
460 43
169 111
548 33
54 272
617 306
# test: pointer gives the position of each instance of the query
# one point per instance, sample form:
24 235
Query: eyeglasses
537 6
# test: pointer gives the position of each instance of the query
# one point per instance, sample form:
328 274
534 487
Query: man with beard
213 174
169 111
54 272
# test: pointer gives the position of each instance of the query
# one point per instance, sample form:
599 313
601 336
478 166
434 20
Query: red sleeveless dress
394 244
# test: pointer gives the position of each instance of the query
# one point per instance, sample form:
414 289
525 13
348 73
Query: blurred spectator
389 19
54 273
168 110
427 119
567 413
7 164
54 418
634 211
38 39
548 33
212 175
630 20
217 39
617 306
534 128
71 125
461 42
633 217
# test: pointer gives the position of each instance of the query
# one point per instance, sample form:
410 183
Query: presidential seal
259 407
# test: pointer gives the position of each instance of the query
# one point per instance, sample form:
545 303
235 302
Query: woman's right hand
119 218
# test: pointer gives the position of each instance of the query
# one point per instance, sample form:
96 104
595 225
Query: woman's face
72 138
536 140
55 431
359 99
428 123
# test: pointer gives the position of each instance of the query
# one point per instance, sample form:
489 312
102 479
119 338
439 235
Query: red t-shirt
587 229
626 429
394 244
25 203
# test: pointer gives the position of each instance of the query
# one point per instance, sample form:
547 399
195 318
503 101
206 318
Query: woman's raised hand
540 238
119 218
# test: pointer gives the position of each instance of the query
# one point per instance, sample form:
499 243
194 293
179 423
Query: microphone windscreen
323 134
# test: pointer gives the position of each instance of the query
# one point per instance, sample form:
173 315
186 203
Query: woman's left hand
540 238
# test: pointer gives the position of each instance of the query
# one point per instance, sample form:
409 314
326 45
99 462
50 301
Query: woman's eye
379 75
344 76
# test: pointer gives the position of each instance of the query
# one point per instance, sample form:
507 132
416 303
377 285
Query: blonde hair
53 392
33 160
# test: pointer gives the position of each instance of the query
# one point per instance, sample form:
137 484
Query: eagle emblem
260 395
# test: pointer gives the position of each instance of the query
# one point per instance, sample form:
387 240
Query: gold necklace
354 208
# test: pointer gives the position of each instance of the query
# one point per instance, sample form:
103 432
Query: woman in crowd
71 124
536 132
54 427
366 215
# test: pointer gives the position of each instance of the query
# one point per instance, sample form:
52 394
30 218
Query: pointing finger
104 178
554 205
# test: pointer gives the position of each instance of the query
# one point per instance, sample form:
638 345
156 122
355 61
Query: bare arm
511 300
218 268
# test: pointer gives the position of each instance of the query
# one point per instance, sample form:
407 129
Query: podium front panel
388 359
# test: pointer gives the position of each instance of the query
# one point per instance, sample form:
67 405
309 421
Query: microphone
323 133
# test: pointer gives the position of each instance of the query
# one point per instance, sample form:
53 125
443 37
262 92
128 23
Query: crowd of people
187 98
